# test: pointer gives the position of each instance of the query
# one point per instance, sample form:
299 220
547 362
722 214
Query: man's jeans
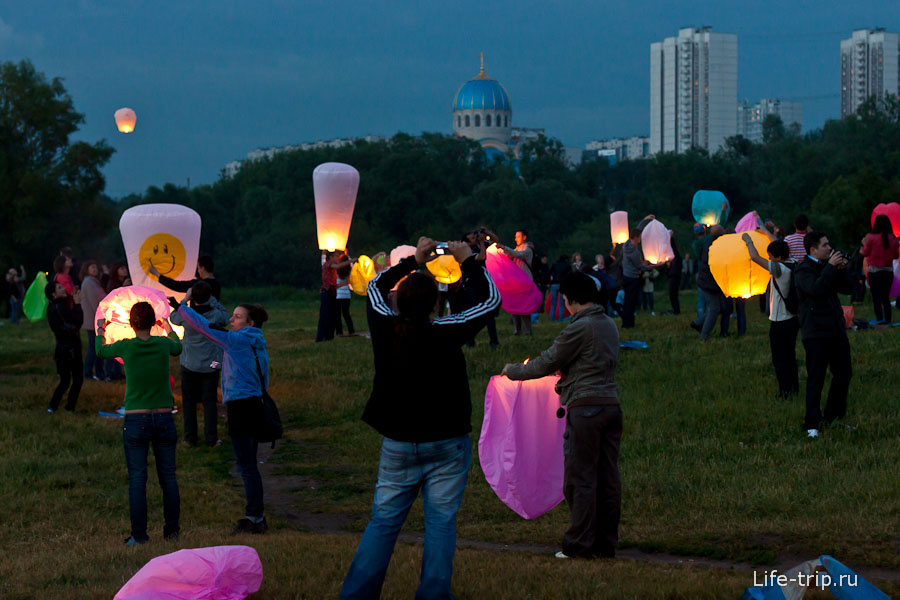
557 306
139 432
440 469
14 306
200 388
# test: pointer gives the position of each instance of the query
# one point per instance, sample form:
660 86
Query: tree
50 188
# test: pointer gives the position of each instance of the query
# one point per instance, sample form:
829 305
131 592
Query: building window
477 120
487 120
467 120
458 121
506 121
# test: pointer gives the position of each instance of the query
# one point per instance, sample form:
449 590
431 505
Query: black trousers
592 485
783 341
343 305
822 354
633 286
71 371
328 311
880 282
674 284
200 388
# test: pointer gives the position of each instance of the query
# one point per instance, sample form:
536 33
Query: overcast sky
212 80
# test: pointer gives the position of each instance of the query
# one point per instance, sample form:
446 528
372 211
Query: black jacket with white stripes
421 388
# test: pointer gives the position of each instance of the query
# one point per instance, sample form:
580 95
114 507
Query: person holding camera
245 376
425 417
819 278
586 353
148 416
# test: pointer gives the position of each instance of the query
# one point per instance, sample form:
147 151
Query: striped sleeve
480 309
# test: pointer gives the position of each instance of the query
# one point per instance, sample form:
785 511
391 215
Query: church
482 112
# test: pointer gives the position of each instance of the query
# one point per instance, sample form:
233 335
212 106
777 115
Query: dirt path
280 501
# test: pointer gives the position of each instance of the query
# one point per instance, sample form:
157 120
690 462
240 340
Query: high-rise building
870 66
751 116
693 90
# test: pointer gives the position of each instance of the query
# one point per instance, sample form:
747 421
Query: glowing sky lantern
892 210
655 243
116 308
125 120
710 208
731 267
164 235
521 444
618 227
335 186
362 273
445 269
518 293
401 252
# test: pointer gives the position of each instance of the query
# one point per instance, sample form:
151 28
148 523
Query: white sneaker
812 433
561 554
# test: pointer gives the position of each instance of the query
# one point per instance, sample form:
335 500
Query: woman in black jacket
65 321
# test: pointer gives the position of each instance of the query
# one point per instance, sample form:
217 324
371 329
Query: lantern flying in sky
335 186
445 269
166 236
125 120
731 267
710 207
362 273
655 243
116 309
892 210
618 227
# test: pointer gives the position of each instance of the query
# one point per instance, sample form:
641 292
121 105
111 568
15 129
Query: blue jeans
556 301
14 305
92 362
139 432
440 469
701 306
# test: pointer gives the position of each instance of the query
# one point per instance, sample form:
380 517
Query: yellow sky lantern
445 269
125 120
362 273
618 227
335 186
731 267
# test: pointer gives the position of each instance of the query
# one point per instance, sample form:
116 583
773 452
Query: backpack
792 299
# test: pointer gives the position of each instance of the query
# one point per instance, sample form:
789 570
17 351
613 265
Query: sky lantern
655 243
518 293
892 210
125 120
749 222
521 444
35 302
710 207
401 252
116 309
731 267
164 235
618 227
362 273
445 269
335 186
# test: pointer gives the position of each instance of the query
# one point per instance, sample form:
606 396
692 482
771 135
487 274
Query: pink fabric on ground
521 445
518 293
216 573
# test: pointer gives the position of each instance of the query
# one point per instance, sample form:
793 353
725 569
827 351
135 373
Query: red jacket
879 256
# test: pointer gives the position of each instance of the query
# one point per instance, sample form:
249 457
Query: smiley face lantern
166 236
335 186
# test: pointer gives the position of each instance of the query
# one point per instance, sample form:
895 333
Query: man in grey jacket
523 256
586 353
201 361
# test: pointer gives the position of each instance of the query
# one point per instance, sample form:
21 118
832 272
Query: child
647 290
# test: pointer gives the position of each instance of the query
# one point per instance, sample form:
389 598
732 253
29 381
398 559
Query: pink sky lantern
618 227
335 186
892 210
401 252
895 286
655 243
125 120
749 222
521 444
220 572
116 308
518 293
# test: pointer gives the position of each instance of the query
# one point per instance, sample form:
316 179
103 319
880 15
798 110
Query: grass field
714 468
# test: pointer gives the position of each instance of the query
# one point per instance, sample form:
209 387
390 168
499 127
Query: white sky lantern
125 120
655 243
335 186
618 227
164 235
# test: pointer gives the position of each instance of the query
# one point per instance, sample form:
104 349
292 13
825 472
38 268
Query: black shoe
133 542
171 536
696 326
248 526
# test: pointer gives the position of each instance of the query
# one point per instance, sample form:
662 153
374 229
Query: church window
467 120
477 120
487 120
506 121
458 121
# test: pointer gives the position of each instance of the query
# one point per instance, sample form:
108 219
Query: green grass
712 464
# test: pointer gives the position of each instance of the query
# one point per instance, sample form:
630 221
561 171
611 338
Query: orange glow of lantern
125 120
618 227
445 269
335 186
731 267
362 273
655 243
115 308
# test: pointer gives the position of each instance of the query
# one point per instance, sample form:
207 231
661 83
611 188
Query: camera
483 232
442 248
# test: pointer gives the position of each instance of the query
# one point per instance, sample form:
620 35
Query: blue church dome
482 92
